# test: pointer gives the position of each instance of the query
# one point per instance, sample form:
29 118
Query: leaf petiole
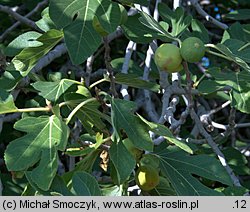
98 82
73 112
38 109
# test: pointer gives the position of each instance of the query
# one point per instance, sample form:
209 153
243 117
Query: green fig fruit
192 49
168 58
147 177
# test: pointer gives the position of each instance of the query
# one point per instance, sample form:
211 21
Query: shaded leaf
199 30
85 184
178 167
133 80
237 161
7 104
9 80
141 2
133 67
88 114
137 34
235 58
237 31
235 191
162 130
238 81
123 162
112 190
163 188
238 15
239 49
123 118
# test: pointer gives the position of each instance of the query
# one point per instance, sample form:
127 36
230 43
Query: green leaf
141 2
122 118
239 15
239 49
137 32
123 162
53 90
85 184
177 19
237 31
81 151
112 190
178 167
85 164
29 56
239 82
154 25
133 67
45 136
133 80
7 104
235 58
75 17
199 30
235 191
25 40
88 114
59 187
237 161
163 188
9 80
45 23
162 130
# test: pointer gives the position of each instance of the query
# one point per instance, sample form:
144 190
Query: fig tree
168 58
147 177
192 49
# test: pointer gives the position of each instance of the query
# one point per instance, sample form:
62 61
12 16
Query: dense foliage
86 110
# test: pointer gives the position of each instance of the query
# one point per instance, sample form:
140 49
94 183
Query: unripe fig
137 153
150 160
192 49
168 58
147 177
98 27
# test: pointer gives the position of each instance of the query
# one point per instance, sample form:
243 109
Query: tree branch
207 16
38 7
215 148
20 18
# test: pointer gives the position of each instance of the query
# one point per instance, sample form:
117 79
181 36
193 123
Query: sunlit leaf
45 136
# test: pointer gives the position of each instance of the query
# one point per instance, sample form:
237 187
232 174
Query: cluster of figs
168 57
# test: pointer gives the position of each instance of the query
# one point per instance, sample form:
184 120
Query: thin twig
38 7
20 18
109 68
58 51
215 148
207 16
